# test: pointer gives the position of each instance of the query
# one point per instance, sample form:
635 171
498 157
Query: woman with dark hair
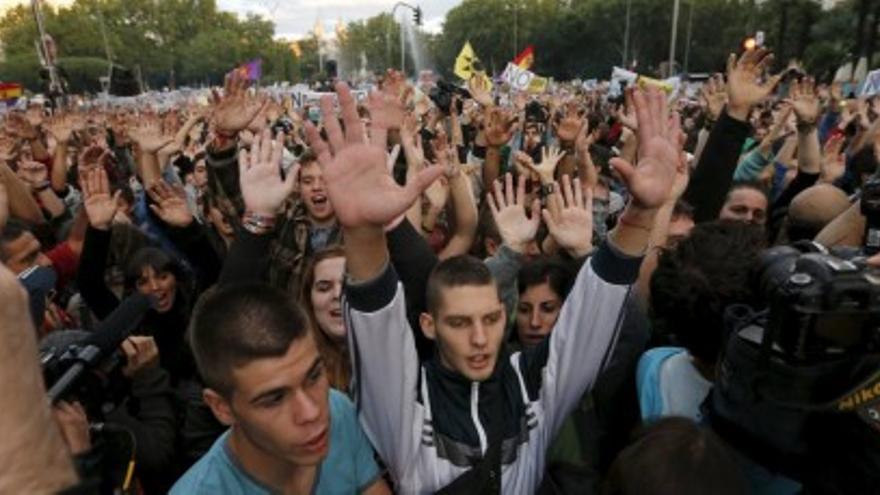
320 296
150 271
543 286
154 272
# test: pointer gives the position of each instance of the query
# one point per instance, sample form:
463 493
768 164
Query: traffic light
417 16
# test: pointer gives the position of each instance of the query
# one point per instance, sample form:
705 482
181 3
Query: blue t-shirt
348 468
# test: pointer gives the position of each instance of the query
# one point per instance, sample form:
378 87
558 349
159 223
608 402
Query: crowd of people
428 290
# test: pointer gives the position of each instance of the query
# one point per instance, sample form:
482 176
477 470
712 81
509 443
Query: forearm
465 217
587 172
632 235
491 166
809 152
59 167
35 457
51 202
149 169
366 252
39 151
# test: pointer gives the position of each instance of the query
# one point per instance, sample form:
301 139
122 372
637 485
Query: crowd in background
468 290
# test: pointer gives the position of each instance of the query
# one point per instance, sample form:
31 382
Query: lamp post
626 33
418 12
674 35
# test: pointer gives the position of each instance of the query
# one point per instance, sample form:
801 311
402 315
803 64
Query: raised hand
570 126
100 206
263 189
388 107
744 89
569 217
362 192
498 127
508 208
713 97
169 204
62 126
4 203
660 154
236 108
148 135
93 157
626 114
481 92
804 101
550 157
33 173
17 125
34 115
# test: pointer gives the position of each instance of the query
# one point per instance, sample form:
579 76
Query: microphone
105 339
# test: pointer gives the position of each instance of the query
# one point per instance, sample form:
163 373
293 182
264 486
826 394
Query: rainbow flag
10 91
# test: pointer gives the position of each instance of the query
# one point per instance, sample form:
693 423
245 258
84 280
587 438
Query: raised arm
584 335
714 172
366 198
264 192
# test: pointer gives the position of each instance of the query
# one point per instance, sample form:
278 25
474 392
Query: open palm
100 206
660 157
362 192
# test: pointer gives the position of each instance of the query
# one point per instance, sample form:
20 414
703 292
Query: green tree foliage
192 42
171 41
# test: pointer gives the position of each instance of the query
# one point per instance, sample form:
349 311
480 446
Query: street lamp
674 35
417 16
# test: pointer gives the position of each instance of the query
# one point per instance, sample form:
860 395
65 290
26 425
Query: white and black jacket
429 424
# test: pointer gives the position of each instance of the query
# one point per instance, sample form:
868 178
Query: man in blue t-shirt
264 377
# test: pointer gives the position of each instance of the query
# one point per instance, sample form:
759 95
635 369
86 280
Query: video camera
88 369
442 94
797 390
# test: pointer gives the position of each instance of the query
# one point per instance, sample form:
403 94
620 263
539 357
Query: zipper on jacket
475 416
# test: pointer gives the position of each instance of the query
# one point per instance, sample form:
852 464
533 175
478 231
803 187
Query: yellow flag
467 62
538 84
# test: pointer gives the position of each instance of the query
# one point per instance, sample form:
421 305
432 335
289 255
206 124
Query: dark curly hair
699 278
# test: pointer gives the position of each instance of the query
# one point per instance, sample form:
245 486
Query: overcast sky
294 18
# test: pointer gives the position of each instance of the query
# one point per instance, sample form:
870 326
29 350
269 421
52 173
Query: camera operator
139 426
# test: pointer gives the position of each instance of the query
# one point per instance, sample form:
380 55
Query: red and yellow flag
526 58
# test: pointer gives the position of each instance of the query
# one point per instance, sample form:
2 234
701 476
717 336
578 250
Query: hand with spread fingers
569 217
550 157
169 204
745 89
363 193
713 97
804 101
262 186
148 134
498 127
100 206
507 204
236 108
660 155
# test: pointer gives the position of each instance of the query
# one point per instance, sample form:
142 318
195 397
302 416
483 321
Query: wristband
806 126
257 224
42 186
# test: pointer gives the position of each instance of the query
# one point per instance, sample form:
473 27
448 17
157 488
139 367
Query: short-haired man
475 419
289 432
